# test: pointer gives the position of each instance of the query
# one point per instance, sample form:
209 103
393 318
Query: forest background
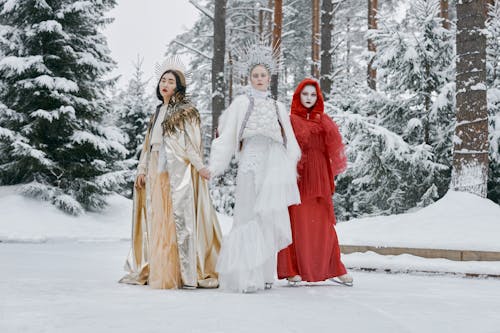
413 85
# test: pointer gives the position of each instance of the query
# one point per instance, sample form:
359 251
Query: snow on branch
51 83
192 49
201 9
9 6
24 149
18 65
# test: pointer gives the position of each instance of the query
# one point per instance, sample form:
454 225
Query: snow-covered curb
405 263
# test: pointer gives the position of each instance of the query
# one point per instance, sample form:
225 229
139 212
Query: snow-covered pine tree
493 82
415 63
133 110
55 137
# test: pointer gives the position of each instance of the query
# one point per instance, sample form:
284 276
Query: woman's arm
292 147
193 148
224 146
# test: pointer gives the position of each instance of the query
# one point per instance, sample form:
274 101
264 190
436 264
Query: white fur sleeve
292 147
224 146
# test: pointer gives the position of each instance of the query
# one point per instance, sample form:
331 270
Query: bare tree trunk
261 24
427 106
348 49
230 56
269 32
372 24
278 24
218 63
470 155
445 14
326 45
315 39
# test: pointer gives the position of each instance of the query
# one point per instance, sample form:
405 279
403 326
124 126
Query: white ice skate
268 285
188 287
345 280
294 280
249 290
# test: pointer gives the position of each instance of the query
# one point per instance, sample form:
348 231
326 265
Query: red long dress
314 253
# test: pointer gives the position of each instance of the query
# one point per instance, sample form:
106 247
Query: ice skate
345 280
249 290
268 285
188 287
294 280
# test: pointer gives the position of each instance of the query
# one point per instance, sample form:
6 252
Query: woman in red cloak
314 254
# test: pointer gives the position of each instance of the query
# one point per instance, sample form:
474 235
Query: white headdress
253 54
173 63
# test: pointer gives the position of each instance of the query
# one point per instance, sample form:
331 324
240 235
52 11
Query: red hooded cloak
314 253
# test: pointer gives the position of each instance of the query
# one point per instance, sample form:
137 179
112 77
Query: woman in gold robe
175 232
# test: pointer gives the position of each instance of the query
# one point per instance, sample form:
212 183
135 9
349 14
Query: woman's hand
204 173
140 181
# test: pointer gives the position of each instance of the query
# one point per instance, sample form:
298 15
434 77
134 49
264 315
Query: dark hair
180 90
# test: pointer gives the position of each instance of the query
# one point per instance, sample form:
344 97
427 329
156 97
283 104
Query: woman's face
167 85
308 96
259 78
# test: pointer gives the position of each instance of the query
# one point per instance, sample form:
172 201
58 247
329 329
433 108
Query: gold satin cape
197 229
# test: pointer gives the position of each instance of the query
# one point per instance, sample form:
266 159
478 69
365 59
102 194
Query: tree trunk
278 23
261 24
372 24
444 13
470 155
315 39
218 63
269 32
230 56
326 45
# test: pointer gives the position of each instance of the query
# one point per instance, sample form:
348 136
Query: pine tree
385 174
55 134
135 109
415 63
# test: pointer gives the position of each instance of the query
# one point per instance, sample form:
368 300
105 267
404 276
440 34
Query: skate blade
347 284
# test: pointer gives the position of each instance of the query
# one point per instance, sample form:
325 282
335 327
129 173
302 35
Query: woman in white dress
257 129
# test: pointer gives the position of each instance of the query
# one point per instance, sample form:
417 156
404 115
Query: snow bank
28 220
458 221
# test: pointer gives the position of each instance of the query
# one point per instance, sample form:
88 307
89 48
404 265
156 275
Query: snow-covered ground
59 274
71 287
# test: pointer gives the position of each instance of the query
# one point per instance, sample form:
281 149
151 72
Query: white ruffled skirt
265 186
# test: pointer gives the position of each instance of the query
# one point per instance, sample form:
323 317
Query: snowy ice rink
71 287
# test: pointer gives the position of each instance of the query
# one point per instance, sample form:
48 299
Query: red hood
298 109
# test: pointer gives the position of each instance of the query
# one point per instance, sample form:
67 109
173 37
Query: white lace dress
265 186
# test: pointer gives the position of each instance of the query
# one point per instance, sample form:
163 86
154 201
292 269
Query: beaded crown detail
173 63
253 54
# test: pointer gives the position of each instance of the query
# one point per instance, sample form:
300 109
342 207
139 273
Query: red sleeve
334 146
